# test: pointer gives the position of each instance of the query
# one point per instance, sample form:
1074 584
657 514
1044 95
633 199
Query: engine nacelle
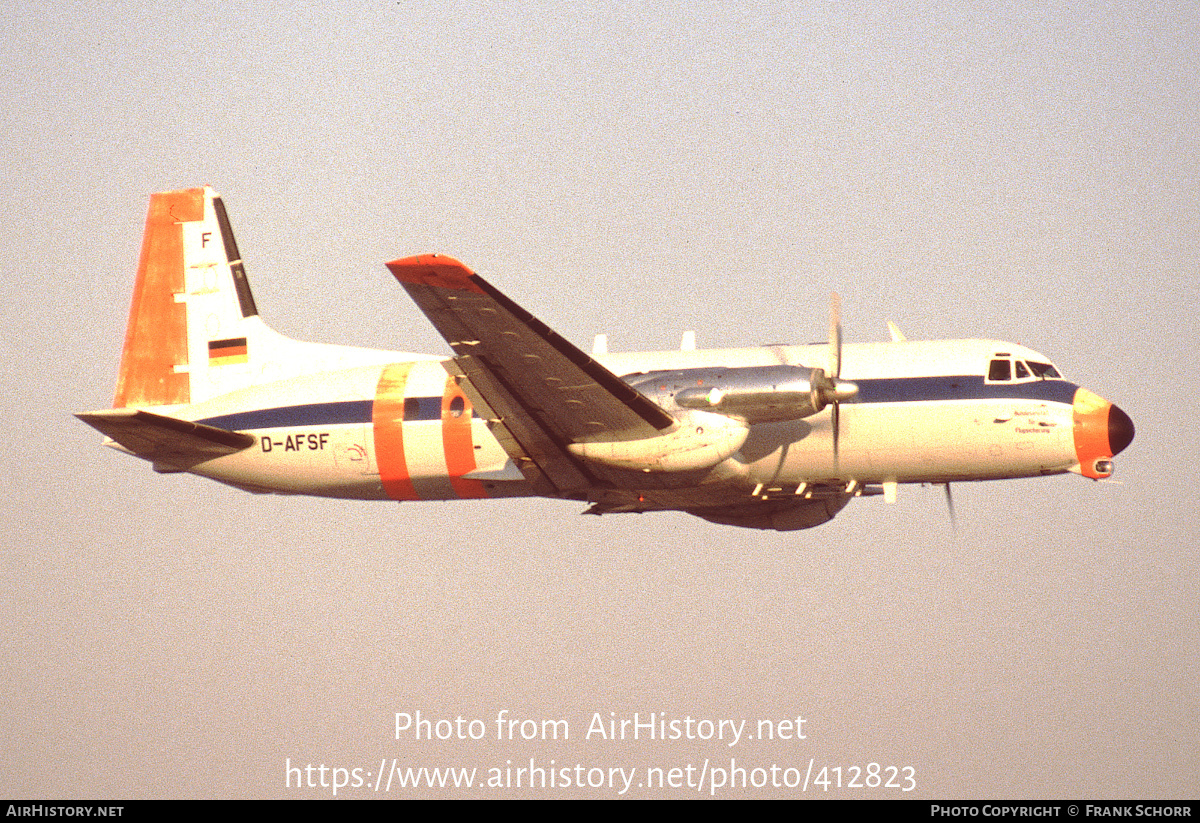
755 394
700 441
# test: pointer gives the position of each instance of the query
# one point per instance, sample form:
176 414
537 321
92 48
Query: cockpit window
1000 370
1045 371
1022 372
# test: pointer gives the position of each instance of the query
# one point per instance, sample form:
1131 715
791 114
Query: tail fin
194 330
193 318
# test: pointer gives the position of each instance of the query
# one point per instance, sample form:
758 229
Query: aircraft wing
543 390
169 443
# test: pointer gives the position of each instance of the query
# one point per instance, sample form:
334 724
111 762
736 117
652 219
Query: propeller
950 508
829 389
835 364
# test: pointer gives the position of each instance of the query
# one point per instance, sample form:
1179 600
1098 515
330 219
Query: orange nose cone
1101 430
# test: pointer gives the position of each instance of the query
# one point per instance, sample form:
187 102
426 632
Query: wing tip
436 270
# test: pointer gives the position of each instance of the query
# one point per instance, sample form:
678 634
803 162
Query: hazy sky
1015 170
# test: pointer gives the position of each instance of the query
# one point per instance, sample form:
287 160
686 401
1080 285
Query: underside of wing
544 393
169 443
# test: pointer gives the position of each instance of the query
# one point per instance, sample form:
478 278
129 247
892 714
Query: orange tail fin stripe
156 337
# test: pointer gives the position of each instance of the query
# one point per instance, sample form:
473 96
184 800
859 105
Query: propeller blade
835 370
836 427
950 507
835 336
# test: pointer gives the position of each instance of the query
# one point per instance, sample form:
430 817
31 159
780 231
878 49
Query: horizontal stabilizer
169 443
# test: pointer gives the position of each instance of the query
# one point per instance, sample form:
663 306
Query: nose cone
1101 430
1120 430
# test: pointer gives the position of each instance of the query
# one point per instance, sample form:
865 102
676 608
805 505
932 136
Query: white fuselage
925 413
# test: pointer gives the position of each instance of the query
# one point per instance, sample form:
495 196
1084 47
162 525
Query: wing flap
169 443
541 459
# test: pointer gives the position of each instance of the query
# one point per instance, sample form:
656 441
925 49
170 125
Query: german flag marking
228 352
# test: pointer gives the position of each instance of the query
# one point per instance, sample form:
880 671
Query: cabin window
1000 370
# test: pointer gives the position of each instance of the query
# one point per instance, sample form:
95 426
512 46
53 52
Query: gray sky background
1018 170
